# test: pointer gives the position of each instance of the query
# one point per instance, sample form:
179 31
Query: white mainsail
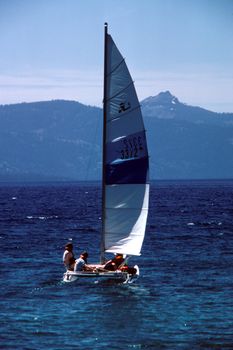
126 165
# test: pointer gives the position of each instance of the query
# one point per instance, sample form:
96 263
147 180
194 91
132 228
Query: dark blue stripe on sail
128 172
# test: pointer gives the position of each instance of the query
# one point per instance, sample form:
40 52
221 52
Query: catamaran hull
118 276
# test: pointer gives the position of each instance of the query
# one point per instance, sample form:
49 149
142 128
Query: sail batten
126 167
132 110
115 68
119 92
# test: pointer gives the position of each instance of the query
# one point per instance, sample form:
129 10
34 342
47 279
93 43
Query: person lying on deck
117 263
81 263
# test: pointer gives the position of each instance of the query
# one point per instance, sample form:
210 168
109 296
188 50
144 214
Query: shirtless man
68 257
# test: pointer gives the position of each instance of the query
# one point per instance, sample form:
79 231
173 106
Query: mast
102 243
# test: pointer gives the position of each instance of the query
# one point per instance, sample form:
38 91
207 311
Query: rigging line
119 64
119 92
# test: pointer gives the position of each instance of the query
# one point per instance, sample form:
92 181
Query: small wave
30 217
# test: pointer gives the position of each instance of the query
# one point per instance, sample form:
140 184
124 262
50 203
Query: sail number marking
132 146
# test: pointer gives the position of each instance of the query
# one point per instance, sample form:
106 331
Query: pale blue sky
53 49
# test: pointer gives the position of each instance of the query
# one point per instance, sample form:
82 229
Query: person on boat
81 263
115 263
68 257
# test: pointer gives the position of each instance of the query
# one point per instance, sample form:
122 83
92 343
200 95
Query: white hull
119 276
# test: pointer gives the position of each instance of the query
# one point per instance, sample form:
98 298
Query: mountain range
61 140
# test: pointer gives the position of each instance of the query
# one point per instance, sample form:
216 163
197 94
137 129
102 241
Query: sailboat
125 168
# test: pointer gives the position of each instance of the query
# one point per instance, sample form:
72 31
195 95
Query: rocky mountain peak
163 98
162 105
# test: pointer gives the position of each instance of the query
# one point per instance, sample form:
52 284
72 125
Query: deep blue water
182 300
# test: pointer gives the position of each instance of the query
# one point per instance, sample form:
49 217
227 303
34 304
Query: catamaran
125 169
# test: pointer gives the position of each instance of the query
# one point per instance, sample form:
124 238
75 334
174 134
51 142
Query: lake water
182 300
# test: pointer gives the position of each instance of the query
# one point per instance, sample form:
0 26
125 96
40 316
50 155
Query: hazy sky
53 49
